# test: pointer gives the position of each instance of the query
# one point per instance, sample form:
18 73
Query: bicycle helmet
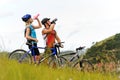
26 17
45 20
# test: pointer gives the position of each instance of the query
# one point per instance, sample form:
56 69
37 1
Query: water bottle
36 16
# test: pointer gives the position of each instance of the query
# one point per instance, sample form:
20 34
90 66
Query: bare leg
37 57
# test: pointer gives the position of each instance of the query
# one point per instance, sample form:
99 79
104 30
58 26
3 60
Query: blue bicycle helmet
26 17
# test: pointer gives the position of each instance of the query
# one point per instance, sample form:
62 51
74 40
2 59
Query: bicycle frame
28 52
54 52
76 55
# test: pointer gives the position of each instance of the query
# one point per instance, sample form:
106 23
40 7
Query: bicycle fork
24 55
20 60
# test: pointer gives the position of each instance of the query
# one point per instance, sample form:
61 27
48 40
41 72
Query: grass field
11 70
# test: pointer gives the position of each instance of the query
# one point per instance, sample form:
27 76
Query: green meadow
12 70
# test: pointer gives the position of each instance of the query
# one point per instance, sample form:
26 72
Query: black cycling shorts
34 51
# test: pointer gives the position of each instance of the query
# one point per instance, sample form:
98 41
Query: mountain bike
76 60
23 56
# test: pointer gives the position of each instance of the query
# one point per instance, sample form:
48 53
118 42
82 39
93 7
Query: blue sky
80 22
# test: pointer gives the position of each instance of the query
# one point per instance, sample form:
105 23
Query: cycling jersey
50 38
32 32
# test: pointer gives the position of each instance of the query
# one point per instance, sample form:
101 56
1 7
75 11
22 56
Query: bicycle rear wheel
21 56
84 65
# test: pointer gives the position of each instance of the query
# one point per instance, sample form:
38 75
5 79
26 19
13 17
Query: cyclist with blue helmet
30 35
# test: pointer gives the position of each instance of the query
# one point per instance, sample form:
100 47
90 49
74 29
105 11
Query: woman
30 35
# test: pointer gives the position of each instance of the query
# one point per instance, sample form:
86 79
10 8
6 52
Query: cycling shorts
34 51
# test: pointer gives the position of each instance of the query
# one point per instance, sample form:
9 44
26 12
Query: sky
80 22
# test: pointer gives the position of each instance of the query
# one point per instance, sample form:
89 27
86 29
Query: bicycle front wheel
21 56
57 61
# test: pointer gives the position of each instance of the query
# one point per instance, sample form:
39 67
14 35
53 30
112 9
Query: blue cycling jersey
32 32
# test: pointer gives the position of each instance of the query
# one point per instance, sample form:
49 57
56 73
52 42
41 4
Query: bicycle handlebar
59 44
55 44
80 48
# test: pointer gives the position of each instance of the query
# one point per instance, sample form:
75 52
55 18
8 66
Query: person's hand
62 46
36 40
36 17
54 21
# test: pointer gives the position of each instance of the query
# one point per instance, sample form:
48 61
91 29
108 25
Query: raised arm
45 31
57 38
39 24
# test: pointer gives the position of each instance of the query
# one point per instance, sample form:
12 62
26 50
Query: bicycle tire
84 65
17 54
60 61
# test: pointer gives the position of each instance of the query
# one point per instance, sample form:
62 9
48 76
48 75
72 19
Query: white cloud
5 2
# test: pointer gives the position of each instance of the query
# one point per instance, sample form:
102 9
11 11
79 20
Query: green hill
106 50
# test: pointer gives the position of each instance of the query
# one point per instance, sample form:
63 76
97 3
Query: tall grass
11 70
